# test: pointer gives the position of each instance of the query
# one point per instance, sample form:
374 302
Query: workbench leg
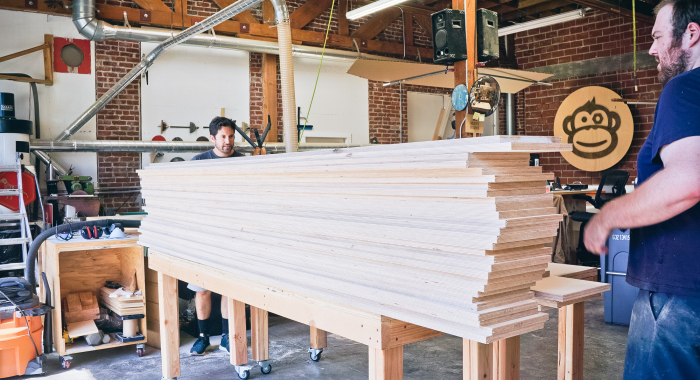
238 341
561 345
386 364
478 360
319 338
169 326
258 334
508 359
574 341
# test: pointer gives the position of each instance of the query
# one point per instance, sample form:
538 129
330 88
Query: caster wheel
316 357
267 369
246 374
139 352
65 363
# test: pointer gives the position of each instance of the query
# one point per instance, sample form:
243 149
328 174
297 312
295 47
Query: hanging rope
634 43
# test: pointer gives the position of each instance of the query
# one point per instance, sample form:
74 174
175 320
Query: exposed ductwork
161 146
95 30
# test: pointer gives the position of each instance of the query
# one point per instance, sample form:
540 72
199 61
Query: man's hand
596 234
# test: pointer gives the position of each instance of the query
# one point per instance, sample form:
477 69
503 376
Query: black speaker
486 35
449 38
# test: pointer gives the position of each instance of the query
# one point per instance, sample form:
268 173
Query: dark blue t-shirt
208 155
665 257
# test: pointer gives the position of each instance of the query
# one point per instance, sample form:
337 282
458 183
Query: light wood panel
447 236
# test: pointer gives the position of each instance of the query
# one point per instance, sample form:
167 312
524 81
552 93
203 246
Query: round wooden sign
599 129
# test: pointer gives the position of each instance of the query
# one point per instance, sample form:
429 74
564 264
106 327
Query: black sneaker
224 346
200 346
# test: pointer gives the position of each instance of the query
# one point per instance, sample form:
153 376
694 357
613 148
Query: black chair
612 185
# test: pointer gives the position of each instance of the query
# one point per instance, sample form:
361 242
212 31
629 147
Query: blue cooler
613 269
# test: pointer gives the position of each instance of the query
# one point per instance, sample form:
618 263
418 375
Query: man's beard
677 66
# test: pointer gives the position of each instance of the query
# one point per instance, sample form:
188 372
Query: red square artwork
72 55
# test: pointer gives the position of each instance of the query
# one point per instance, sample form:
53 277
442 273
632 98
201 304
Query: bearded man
663 211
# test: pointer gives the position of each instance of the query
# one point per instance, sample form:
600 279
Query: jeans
664 338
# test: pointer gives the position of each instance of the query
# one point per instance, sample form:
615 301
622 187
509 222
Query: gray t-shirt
208 155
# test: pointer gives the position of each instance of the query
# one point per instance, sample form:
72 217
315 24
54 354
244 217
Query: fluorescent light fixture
371 8
545 21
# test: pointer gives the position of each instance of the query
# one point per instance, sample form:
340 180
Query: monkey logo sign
599 129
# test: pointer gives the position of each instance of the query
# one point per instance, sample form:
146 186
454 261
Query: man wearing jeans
222 134
663 212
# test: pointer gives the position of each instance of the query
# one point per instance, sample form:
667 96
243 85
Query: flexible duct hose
289 105
30 265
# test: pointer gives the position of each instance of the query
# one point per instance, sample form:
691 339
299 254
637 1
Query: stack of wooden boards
555 292
448 235
78 307
122 305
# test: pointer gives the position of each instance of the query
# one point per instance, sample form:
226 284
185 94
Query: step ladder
25 238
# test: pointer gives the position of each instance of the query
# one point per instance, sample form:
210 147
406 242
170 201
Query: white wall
191 84
59 104
423 112
341 104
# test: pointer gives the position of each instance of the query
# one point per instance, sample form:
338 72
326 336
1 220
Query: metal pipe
46 159
161 146
510 114
88 26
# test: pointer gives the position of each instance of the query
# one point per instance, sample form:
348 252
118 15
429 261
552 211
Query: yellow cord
634 43
328 28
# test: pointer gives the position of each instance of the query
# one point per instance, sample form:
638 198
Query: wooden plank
377 23
259 334
82 328
561 344
478 360
237 332
426 23
268 12
403 333
169 326
73 301
509 359
440 125
562 289
269 77
87 313
343 25
26 80
308 12
86 299
318 338
386 364
574 341
244 16
24 52
153 5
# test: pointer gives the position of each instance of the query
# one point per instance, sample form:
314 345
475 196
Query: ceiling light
545 21
371 8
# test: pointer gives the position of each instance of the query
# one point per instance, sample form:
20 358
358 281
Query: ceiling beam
542 7
308 12
645 11
376 24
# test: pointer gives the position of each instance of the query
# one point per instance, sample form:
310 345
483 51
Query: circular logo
599 129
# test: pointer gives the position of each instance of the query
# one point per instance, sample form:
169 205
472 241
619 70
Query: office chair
612 185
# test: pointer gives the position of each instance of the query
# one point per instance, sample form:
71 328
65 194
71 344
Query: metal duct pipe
146 34
289 106
88 26
161 146
43 157
510 114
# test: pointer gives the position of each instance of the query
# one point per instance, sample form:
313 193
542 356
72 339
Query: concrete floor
438 358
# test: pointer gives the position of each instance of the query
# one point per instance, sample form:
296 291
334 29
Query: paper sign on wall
475 123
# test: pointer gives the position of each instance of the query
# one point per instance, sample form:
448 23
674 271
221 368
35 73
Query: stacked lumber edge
448 235
121 305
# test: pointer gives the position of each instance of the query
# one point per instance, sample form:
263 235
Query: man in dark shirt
222 134
663 212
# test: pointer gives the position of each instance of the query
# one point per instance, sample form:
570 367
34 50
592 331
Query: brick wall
384 116
119 120
598 35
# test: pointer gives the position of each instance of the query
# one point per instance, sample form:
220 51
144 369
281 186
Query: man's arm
669 192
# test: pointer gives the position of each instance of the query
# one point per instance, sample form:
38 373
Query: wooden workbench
385 337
